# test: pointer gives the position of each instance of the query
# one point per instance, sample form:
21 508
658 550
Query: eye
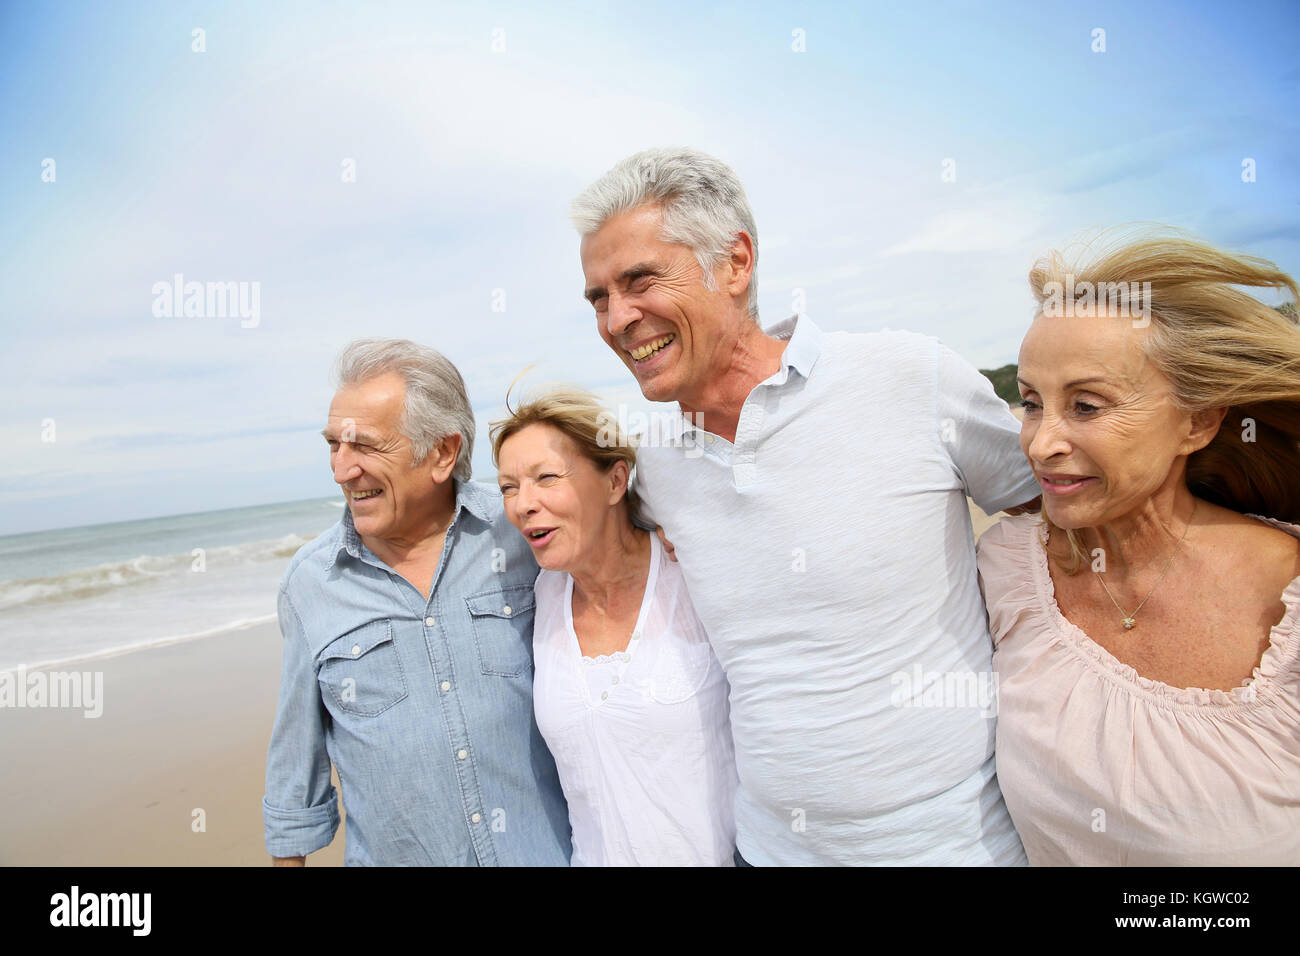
1028 405
507 490
600 303
640 283
547 477
332 443
1086 408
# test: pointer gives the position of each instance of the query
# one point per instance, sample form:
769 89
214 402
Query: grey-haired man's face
371 459
652 307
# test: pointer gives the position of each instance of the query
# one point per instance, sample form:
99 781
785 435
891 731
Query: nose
525 503
344 463
621 314
1048 437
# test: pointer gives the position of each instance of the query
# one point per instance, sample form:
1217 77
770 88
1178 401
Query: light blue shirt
425 707
829 553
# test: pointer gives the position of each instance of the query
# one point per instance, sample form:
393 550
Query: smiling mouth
651 348
369 493
1060 484
540 536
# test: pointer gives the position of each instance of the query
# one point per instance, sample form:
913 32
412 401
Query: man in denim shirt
408 644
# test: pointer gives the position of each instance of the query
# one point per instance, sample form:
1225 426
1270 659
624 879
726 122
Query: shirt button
428 622
475 818
446 686
506 610
636 635
615 680
604 695
462 754
356 649
709 439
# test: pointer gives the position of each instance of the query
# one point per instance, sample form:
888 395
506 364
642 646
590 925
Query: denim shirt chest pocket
361 670
503 629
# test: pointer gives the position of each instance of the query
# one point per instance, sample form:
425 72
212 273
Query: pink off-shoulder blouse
1100 766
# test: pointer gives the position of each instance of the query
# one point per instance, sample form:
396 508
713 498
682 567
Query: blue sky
225 165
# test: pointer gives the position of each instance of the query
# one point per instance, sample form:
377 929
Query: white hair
702 199
436 403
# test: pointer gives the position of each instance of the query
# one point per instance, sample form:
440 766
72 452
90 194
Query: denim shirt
425 707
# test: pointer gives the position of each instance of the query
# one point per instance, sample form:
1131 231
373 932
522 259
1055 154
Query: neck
752 358
1141 541
618 559
421 534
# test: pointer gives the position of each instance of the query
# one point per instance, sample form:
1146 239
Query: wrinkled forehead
1070 348
535 445
375 405
630 233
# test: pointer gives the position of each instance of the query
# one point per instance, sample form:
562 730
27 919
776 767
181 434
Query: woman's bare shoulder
1257 544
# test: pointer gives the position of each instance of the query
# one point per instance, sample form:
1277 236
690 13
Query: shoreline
239 625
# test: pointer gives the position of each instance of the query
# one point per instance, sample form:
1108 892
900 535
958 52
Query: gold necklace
1130 620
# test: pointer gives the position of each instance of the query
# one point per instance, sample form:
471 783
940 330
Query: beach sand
184 727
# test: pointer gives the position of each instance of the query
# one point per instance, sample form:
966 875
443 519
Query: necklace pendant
1129 623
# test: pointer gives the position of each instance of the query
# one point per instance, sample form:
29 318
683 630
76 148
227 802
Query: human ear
740 264
1204 426
442 457
618 476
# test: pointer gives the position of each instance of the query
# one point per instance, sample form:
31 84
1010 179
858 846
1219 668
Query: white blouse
641 738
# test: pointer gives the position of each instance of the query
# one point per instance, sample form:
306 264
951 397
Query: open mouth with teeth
368 493
650 349
539 536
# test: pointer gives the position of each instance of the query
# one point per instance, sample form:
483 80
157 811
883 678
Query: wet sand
184 727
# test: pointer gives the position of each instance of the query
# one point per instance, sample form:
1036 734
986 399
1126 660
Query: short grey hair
436 402
702 199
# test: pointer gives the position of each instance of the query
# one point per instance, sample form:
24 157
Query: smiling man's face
652 307
389 497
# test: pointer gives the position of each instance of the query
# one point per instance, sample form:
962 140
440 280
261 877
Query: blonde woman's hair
1219 348
577 413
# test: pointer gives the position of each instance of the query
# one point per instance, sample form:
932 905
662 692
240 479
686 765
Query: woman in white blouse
627 692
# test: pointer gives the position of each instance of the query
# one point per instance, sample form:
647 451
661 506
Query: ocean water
79 593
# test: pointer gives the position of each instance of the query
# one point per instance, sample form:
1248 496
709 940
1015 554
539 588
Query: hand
668 545
1034 505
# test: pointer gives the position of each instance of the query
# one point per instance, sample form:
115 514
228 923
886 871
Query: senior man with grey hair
408 644
815 492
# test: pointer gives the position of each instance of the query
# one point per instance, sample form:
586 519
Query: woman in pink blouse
1147 627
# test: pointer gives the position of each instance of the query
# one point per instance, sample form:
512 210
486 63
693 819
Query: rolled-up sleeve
300 810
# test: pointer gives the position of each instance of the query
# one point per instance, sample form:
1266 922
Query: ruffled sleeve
1004 558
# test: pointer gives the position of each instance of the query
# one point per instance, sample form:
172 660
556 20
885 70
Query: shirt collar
468 496
803 347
